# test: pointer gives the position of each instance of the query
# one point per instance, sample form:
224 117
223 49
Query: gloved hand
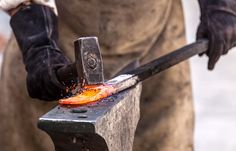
35 28
218 24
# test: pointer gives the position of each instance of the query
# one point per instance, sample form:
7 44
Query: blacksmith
128 30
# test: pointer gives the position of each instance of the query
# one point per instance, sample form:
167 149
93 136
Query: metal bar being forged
131 78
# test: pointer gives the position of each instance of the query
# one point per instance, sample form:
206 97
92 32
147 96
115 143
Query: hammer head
88 61
88 66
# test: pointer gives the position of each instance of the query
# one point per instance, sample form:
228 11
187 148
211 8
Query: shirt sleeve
10 4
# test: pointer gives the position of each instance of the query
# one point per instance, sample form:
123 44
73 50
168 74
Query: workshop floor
214 92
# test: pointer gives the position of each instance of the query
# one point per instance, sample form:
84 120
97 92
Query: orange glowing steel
89 94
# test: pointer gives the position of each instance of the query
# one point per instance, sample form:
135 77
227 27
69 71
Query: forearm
36 31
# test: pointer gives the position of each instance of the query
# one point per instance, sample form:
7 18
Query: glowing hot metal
89 94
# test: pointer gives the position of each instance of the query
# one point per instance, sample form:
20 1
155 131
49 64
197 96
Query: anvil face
78 119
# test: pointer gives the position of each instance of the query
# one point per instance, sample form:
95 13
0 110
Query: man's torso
123 26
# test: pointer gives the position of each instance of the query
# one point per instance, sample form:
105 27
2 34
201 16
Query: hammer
88 67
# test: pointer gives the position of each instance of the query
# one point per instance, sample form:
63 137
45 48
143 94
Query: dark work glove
218 24
35 28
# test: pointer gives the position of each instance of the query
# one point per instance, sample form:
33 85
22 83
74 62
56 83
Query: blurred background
213 91
5 32
214 94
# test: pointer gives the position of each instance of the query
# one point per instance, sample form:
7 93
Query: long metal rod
139 74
